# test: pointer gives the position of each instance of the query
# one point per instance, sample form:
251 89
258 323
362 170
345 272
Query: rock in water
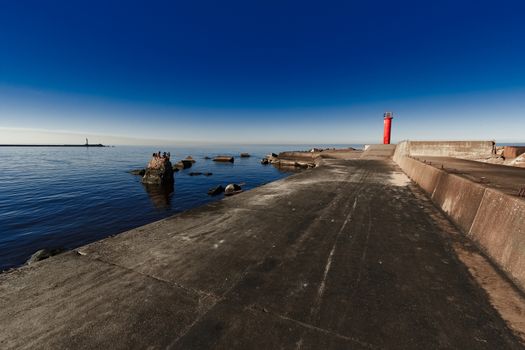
186 163
183 164
216 190
158 172
223 159
245 155
189 159
43 254
232 189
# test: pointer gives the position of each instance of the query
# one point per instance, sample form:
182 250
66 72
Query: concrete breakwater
491 216
349 254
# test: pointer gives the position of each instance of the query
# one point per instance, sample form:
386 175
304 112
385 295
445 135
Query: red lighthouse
388 127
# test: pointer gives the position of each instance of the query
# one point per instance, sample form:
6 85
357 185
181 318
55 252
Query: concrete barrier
492 219
458 197
458 149
499 228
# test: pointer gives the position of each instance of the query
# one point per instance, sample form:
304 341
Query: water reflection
160 195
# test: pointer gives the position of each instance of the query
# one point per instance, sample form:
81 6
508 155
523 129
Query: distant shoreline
95 145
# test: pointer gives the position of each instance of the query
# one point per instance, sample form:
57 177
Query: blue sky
261 71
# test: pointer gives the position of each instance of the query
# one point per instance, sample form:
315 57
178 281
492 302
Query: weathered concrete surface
458 149
482 199
346 255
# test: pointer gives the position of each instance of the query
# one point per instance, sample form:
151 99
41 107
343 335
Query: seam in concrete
469 233
441 179
193 291
325 331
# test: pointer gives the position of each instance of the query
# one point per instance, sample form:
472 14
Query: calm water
67 197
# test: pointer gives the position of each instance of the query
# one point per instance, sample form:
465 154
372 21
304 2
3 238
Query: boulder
223 159
44 254
189 159
207 157
208 174
216 190
195 173
265 161
245 155
158 172
232 189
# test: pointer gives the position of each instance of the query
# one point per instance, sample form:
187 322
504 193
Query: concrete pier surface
348 255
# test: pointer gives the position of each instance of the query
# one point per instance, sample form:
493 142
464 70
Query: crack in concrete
319 329
193 291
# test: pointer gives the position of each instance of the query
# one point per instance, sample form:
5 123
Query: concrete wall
297 155
458 149
513 151
494 220
379 151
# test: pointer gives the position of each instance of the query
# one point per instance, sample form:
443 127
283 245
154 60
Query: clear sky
261 71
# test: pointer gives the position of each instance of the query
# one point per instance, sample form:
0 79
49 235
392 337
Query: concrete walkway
348 255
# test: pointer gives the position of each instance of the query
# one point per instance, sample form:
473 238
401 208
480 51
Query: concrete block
456 196
429 178
513 151
459 198
499 228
